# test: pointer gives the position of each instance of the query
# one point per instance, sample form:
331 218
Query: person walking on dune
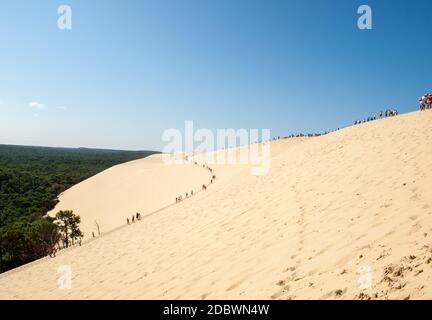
422 102
127 220
429 101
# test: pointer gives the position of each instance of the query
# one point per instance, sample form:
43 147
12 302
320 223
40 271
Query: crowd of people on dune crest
425 102
381 114
180 198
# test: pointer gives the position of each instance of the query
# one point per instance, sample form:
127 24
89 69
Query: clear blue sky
128 70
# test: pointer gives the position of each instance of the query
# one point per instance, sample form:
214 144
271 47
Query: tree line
31 178
23 243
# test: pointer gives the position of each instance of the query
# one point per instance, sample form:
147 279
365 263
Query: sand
342 216
146 185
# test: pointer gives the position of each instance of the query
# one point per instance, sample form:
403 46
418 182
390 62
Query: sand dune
140 186
333 213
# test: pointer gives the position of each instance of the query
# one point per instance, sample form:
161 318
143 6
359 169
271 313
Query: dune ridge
145 186
347 215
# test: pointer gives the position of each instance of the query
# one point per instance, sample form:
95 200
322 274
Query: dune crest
118 193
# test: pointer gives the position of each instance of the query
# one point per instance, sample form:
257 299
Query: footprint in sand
282 292
235 284
205 295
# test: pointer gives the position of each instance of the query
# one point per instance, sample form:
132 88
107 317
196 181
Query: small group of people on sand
390 113
180 198
425 102
381 114
204 187
212 179
137 216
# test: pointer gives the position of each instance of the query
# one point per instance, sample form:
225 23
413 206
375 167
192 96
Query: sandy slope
333 209
140 186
